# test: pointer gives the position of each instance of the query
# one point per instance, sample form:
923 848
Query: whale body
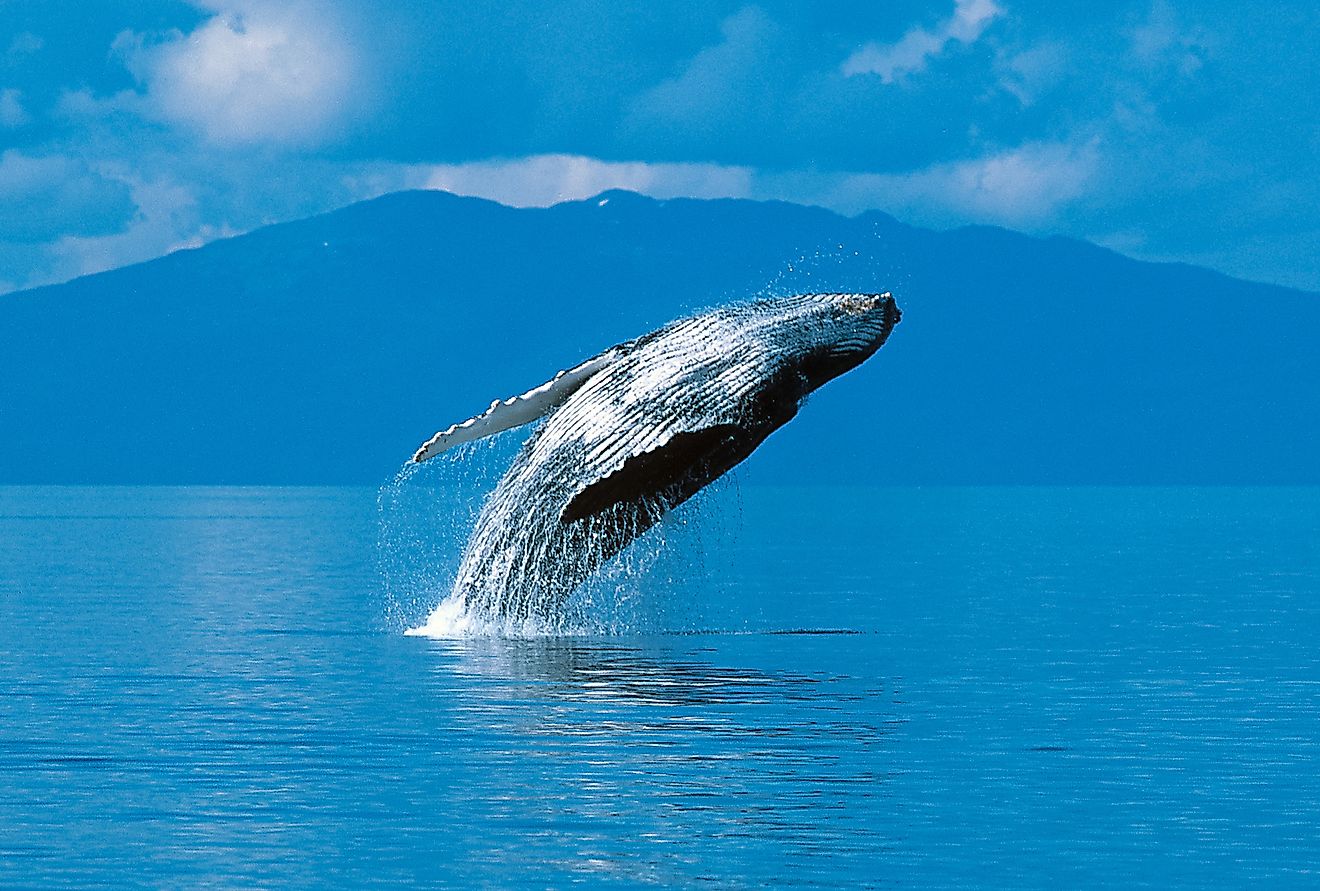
633 432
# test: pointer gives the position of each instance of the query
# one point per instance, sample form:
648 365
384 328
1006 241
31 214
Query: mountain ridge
1020 359
862 216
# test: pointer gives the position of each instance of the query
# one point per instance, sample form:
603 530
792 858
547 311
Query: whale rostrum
635 431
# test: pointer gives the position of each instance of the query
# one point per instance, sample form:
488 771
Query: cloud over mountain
1167 128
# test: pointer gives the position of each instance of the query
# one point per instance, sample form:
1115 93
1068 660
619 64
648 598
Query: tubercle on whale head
878 309
843 314
882 306
860 304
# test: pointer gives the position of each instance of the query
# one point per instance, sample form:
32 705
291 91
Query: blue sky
1167 130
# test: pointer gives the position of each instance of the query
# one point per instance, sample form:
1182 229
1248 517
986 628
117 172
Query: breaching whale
635 431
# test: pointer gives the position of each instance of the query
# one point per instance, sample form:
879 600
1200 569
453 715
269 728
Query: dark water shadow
605 671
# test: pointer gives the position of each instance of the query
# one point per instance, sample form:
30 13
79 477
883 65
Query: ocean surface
802 687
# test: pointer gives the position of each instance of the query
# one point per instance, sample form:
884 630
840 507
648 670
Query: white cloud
1161 41
24 44
12 113
265 75
46 195
150 219
717 84
166 220
542 180
85 109
1029 74
915 48
1024 186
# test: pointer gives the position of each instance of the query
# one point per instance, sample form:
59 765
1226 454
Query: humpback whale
633 432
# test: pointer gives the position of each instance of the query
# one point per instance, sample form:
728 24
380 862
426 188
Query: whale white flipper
516 410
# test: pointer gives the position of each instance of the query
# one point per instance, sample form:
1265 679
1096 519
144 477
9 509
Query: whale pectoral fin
667 475
517 410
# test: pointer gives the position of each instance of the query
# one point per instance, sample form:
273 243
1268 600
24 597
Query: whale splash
629 435
660 582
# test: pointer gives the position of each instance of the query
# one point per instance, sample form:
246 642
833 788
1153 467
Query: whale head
818 337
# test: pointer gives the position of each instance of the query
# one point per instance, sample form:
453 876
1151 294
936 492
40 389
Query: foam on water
452 618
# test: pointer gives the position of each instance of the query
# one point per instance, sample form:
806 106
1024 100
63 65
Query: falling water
426 517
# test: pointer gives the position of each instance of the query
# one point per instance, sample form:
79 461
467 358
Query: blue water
923 688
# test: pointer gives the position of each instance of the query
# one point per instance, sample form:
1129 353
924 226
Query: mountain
326 350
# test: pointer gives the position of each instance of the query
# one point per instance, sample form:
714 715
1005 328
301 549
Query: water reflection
602 669
671 743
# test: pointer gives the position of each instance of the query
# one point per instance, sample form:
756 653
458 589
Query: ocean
788 687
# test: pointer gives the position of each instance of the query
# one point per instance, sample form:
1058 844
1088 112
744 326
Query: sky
1165 129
